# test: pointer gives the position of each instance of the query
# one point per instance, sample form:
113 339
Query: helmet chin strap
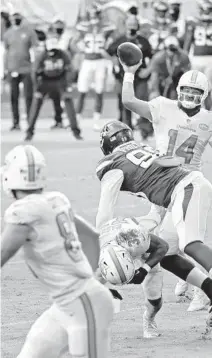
189 111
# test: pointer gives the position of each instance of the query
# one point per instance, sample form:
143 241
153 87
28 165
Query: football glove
139 276
116 294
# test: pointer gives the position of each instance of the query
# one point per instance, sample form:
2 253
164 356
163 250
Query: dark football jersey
143 173
52 66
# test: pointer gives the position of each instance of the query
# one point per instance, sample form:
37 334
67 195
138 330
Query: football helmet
192 79
205 10
160 11
114 134
116 264
174 9
24 169
94 13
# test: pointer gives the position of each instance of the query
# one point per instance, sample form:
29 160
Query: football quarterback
183 128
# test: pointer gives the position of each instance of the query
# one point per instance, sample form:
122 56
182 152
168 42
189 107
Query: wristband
129 77
146 267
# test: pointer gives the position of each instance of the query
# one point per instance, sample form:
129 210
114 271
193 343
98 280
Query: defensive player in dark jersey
139 169
52 76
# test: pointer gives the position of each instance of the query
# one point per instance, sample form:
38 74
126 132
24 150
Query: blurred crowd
56 62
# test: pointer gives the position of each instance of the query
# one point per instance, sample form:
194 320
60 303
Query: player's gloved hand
139 276
116 294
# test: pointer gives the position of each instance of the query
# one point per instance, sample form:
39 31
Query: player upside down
45 226
128 166
148 252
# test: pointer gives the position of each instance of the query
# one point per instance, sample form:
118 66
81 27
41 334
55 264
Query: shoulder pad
104 166
23 212
58 198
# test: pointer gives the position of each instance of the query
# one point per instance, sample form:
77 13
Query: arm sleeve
110 188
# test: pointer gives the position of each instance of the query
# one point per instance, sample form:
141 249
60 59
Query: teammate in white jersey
182 128
45 226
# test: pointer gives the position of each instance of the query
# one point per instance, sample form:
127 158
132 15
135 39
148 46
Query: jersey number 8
69 234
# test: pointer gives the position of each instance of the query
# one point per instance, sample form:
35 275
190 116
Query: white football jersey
180 135
110 230
53 252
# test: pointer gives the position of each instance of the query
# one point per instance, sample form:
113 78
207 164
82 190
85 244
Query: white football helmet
24 169
116 264
193 79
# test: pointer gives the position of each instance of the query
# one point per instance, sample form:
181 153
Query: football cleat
199 301
180 289
150 329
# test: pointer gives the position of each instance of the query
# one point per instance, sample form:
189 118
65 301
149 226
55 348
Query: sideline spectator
19 39
53 77
133 35
167 67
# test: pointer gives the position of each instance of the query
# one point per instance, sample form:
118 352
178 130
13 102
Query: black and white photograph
106 178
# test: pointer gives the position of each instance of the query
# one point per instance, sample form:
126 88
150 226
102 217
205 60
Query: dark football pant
56 90
14 95
58 110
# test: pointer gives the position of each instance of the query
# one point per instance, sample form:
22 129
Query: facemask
188 100
17 21
172 49
175 12
132 32
51 44
59 31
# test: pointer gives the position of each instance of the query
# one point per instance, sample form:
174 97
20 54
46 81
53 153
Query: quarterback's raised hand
131 69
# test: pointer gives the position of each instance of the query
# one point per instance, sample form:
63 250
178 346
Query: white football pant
84 332
93 72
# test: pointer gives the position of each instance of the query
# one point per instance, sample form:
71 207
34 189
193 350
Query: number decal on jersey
94 44
141 158
68 232
185 150
203 37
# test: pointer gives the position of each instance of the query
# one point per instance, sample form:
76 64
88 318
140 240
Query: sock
196 277
152 307
207 288
96 116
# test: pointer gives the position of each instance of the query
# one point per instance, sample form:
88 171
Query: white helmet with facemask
24 169
194 80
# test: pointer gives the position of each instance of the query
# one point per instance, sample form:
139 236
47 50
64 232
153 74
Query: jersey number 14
185 150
